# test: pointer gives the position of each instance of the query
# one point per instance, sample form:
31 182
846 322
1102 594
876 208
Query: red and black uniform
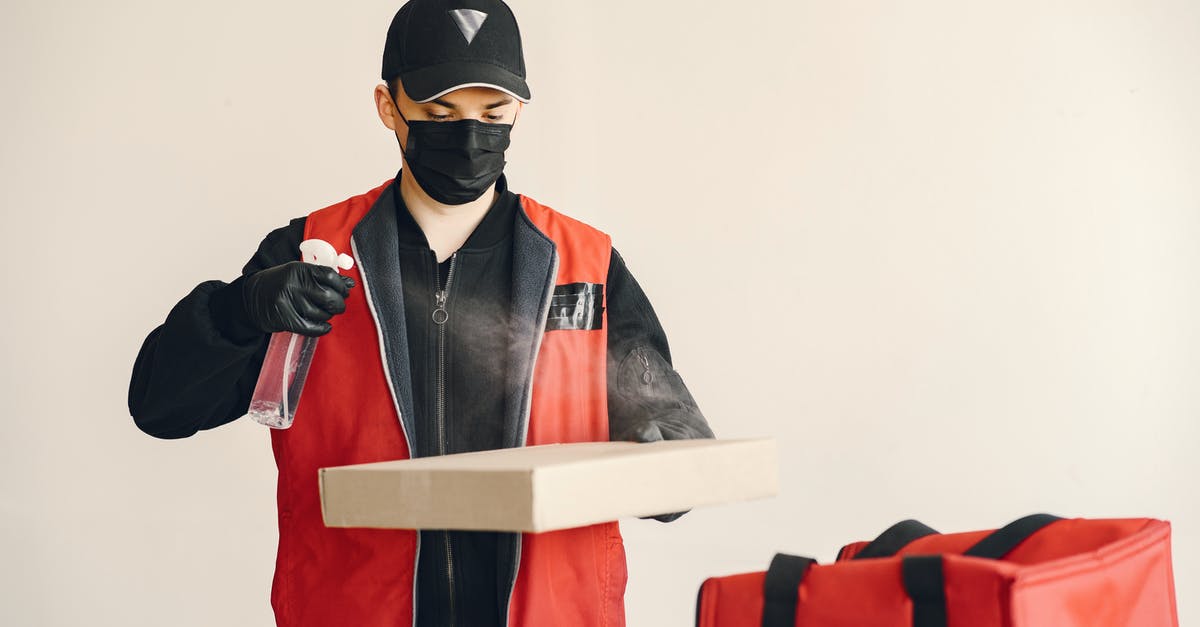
461 387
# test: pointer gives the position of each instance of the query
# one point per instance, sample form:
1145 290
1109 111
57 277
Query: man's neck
446 227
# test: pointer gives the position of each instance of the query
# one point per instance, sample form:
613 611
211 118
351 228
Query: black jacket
198 370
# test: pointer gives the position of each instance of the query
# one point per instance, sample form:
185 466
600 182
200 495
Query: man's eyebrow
451 105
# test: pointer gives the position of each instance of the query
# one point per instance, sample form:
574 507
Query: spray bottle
285 366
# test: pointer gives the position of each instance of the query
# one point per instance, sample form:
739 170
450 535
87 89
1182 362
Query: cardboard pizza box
548 487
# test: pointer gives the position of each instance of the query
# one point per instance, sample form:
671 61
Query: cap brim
433 81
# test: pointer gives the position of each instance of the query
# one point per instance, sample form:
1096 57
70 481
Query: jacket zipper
440 316
647 376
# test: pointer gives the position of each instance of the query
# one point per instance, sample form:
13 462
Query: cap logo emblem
468 21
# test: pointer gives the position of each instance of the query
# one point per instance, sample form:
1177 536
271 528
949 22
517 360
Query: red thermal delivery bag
1038 571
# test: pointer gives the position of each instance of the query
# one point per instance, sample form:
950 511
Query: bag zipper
440 316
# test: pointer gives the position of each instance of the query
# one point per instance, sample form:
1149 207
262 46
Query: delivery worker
473 318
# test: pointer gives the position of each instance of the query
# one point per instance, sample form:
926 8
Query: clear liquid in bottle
281 379
285 366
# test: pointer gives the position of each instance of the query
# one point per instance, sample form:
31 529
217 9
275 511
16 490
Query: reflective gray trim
462 85
375 242
384 295
387 375
535 271
362 273
537 347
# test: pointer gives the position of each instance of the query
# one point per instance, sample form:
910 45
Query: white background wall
944 251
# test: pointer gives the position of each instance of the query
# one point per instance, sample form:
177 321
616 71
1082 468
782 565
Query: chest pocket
576 306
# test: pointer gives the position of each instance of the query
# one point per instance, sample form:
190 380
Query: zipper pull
647 376
440 315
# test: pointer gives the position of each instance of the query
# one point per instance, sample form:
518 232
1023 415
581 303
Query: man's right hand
295 296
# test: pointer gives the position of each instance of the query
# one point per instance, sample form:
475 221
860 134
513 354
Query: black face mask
455 162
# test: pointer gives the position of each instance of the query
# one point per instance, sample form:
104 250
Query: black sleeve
198 369
645 393
647 399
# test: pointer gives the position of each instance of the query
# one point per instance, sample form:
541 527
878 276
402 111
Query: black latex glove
653 431
295 296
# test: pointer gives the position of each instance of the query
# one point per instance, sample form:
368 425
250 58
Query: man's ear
383 106
387 108
520 105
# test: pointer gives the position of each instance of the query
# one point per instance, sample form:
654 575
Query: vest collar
375 244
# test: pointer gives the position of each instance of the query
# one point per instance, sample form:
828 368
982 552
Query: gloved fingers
644 432
312 329
307 310
308 319
666 517
679 424
328 299
685 427
330 279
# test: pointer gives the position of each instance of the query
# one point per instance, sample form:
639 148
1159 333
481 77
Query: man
473 318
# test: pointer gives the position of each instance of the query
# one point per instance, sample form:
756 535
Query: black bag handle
781 589
923 576
926 587
925 583
1003 540
895 538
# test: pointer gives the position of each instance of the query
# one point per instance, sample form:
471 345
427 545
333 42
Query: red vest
351 412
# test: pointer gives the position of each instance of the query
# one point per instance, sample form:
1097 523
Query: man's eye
496 117
438 117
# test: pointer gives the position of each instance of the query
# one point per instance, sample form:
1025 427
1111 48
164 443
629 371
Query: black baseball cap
437 46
